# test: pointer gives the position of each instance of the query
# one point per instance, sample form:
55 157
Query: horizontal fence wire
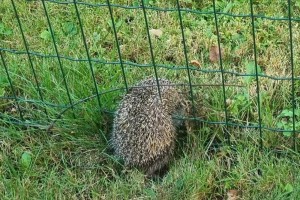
175 10
74 105
78 103
129 63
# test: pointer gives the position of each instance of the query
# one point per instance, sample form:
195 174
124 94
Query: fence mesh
75 59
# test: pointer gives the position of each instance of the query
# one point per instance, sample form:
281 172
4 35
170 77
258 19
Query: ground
58 151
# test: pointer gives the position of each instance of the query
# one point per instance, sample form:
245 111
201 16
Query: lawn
57 147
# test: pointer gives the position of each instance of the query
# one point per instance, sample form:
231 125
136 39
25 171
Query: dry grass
74 161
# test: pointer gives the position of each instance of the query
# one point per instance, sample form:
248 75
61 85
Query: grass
74 160
76 166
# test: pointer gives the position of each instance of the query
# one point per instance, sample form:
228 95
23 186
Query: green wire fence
28 55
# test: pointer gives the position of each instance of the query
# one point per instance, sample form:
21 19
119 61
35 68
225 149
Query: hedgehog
144 131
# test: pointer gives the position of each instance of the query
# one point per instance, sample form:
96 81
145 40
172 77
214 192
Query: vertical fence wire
227 135
58 57
293 73
29 57
11 86
87 53
117 43
146 13
186 58
256 74
151 47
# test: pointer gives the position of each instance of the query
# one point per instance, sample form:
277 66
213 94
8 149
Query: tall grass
74 161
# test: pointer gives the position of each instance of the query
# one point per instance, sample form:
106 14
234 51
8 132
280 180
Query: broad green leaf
251 70
69 28
286 113
118 24
46 35
25 161
289 188
287 134
136 3
4 30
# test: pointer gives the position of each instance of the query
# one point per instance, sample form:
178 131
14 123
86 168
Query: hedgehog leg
158 168
162 171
